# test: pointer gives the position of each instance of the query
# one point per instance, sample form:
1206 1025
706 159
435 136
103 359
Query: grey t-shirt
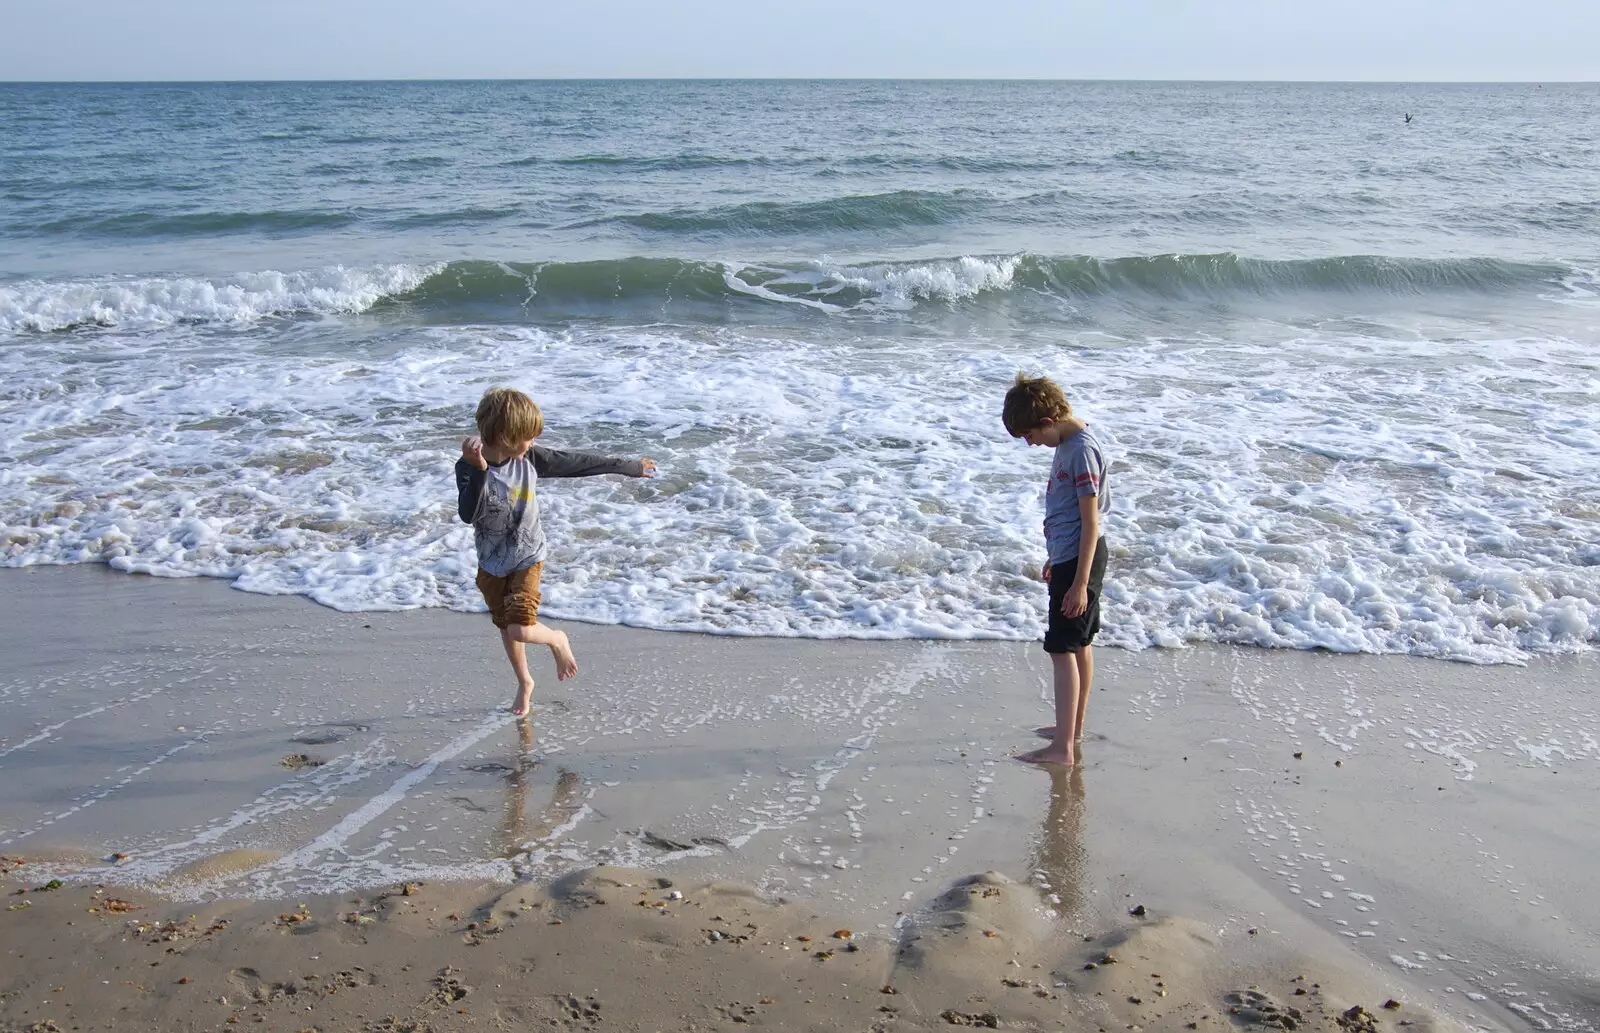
1079 469
502 502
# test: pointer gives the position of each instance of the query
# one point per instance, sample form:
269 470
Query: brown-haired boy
496 486
1037 411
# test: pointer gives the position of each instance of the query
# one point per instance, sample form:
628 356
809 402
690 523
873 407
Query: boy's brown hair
1030 402
508 417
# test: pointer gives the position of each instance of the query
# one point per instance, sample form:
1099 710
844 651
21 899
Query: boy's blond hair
1030 402
508 417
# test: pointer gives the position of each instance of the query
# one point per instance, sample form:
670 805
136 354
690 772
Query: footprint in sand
578 1012
327 734
249 981
1256 1008
490 768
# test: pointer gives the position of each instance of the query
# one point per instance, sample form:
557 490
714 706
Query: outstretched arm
556 462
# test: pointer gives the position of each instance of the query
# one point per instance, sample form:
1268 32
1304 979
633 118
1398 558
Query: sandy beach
266 813
1337 339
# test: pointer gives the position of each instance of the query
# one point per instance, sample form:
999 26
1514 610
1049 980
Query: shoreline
1103 642
1443 803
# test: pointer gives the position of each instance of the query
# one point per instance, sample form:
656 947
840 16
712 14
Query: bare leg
544 635
1065 670
1085 679
518 655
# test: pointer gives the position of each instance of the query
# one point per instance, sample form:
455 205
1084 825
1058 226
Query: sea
1339 340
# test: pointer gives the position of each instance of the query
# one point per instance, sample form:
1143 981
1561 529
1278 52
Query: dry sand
1301 831
628 950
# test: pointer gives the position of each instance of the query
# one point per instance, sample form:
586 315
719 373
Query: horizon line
796 78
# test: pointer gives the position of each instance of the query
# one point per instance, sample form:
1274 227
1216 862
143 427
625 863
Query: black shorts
1070 634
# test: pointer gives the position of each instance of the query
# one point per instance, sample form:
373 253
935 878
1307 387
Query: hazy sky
1535 40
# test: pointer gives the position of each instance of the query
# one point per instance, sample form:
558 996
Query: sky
1387 40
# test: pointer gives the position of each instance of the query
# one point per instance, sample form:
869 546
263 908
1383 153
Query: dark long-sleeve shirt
502 502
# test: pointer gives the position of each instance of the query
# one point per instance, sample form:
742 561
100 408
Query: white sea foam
900 286
1582 284
883 286
243 298
1352 493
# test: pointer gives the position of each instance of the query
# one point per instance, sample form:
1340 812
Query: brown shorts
513 599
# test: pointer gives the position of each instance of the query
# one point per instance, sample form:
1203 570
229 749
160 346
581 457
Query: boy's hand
1045 573
1075 601
647 467
472 452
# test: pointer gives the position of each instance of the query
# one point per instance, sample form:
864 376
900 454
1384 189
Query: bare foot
566 663
524 700
1049 732
1052 754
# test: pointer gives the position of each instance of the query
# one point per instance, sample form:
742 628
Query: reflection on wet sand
1061 857
517 832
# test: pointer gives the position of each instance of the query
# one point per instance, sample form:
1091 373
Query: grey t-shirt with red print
1079 469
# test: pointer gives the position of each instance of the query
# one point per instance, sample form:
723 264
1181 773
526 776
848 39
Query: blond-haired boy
497 493
1037 411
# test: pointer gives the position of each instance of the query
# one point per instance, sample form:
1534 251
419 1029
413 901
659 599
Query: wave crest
554 286
482 291
242 299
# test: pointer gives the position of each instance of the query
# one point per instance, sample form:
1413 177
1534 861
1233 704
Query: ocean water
1346 364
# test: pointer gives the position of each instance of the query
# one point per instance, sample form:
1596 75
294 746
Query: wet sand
1386 827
